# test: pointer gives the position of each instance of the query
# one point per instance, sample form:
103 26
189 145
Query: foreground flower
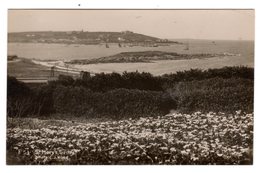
173 139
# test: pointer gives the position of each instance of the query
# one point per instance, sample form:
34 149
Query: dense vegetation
214 94
135 94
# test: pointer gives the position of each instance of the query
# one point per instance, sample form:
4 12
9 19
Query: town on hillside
86 37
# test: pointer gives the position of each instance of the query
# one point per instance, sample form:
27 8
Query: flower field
212 138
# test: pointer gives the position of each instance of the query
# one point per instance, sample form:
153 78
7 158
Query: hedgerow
217 94
116 104
135 94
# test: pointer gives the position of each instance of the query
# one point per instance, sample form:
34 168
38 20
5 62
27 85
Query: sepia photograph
130 87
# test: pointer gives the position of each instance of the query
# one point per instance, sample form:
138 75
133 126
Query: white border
125 4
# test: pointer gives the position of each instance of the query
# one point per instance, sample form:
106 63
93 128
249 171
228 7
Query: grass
26 68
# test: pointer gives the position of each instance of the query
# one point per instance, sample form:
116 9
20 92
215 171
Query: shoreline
158 67
58 66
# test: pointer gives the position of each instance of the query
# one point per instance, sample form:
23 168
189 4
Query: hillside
145 56
83 37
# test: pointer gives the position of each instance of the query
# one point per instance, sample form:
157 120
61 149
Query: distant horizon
164 24
136 33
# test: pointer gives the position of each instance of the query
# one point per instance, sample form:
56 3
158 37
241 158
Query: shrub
135 94
169 80
214 94
130 80
19 98
73 100
116 104
135 103
65 80
146 81
43 96
16 89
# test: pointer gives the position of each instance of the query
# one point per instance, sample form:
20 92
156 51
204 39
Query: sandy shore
156 68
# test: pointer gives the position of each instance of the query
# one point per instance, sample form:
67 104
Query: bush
146 81
214 94
73 100
133 80
116 104
19 98
169 80
43 96
135 94
135 103
16 89
65 80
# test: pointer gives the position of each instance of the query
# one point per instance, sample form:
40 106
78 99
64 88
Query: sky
170 24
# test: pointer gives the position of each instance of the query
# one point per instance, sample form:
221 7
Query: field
27 68
197 138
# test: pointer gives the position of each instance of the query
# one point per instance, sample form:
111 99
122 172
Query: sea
243 51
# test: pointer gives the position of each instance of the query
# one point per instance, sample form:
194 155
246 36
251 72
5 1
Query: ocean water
68 52
243 49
